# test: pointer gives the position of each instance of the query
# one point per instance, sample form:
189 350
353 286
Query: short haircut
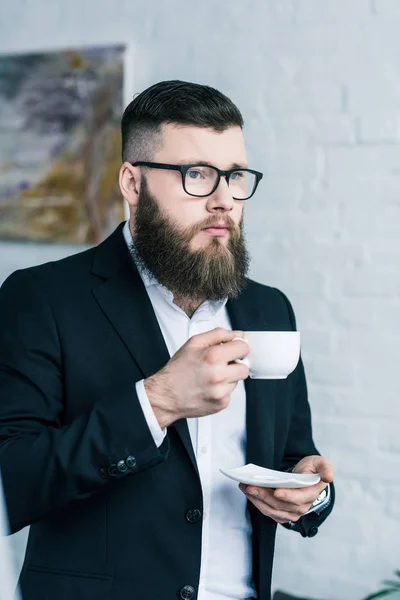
179 102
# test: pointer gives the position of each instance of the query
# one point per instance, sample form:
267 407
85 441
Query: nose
221 199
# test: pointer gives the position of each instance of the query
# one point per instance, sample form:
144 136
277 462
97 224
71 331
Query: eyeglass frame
183 169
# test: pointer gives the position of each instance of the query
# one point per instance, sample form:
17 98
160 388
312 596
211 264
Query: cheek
187 213
237 213
176 207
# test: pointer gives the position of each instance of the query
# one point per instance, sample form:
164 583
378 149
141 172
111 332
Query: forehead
187 143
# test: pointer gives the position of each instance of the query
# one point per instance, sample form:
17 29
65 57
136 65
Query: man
120 395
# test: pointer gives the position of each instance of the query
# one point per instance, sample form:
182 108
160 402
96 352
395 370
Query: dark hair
173 102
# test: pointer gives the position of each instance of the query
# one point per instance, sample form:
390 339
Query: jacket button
130 462
187 592
112 470
193 515
312 532
121 466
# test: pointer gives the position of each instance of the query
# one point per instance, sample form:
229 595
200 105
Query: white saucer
268 478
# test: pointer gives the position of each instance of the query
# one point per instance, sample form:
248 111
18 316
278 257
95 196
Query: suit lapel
246 315
123 298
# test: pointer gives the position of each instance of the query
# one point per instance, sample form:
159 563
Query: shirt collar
213 306
148 278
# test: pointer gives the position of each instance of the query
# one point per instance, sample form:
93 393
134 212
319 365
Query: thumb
316 464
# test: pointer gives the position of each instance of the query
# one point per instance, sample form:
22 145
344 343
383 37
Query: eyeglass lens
200 180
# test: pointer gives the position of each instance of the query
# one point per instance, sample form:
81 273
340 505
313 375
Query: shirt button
193 515
121 466
187 592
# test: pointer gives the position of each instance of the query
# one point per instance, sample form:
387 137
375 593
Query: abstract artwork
60 146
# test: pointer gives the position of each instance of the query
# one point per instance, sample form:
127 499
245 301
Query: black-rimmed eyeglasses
203 180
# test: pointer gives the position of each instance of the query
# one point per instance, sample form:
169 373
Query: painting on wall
60 147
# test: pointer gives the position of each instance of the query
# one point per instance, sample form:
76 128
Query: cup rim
274 332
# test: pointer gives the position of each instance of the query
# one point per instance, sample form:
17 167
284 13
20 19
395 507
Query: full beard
162 250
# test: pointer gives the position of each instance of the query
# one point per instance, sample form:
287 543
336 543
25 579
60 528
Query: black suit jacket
107 508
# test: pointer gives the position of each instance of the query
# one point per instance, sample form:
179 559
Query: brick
301 222
384 94
389 438
358 161
374 221
393 502
379 128
328 11
372 284
282 9
342 401
365 461
351 312
304 98
276 192
354 433
387 7
362 190
335 371
321 129
335 129
314 341
292 161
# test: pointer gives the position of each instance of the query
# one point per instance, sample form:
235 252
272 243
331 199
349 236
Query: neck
188 305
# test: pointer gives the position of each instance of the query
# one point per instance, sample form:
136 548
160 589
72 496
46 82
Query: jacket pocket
40 583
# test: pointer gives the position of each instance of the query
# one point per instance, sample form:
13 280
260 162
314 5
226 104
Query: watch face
320 498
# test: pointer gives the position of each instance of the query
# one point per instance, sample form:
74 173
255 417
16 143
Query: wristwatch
320 499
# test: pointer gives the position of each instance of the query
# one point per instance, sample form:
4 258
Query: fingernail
252 492
280 496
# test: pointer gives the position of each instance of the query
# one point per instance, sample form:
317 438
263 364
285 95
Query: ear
129 183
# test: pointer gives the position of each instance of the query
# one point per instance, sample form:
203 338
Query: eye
237 175
195 174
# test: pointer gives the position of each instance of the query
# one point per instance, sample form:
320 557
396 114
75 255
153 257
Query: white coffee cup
273 354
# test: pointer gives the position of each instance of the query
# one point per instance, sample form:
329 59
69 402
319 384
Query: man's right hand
199 379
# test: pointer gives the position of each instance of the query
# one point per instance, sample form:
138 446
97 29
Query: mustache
213 221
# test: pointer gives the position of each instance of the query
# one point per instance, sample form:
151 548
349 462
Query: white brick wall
318 82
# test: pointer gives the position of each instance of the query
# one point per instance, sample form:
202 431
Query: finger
326 471
267 495
300 496
214 337
237 372
230 351
277 515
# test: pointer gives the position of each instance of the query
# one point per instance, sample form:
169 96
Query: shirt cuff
151 419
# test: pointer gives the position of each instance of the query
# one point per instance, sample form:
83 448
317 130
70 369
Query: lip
217 230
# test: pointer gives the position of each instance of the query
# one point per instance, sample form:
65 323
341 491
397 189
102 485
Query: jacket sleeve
45 464
300 441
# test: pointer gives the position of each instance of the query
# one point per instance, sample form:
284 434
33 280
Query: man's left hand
289 504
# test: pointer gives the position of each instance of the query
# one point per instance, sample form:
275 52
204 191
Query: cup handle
244 360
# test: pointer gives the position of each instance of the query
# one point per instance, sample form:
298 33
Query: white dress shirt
8 572
219 441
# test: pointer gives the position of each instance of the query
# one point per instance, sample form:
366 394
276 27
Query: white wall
318 83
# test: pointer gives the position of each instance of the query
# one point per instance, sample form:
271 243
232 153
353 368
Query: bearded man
121 394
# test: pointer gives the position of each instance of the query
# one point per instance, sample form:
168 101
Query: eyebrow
206 163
